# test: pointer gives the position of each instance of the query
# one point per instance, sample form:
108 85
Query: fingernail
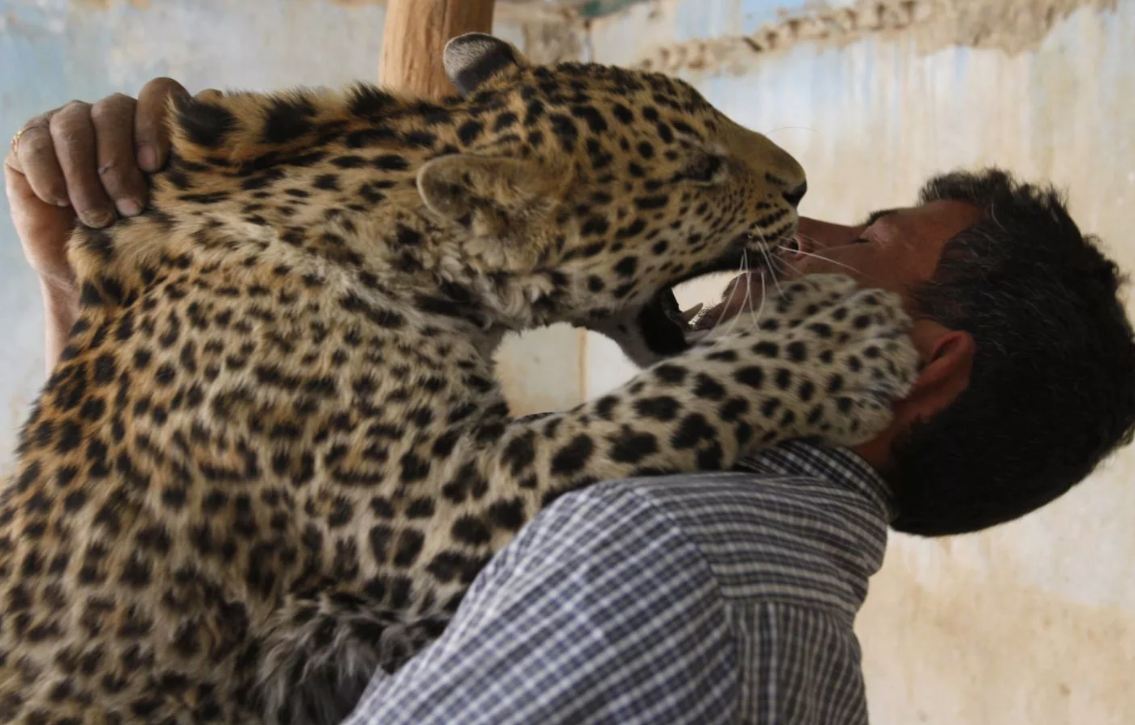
128 207
148 158
96 219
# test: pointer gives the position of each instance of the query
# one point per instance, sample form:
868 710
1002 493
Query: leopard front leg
827 363
827 360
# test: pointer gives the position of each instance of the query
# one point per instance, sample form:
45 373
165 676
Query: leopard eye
704 168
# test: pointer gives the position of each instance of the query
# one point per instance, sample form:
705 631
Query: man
729 597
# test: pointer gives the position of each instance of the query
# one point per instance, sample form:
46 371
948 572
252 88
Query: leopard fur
272 456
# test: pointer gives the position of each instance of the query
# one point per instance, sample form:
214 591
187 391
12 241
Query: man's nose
814 236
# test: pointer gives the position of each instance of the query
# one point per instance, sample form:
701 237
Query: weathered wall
52 51
1032 623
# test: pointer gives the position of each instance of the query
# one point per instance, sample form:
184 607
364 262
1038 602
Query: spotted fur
273 457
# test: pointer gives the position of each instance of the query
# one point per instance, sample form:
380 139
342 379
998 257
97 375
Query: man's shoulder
799 478
698 502
782 537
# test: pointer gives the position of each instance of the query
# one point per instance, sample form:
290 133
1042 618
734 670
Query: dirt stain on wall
1012 26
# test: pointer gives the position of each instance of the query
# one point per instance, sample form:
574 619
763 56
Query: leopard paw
833 368
856 360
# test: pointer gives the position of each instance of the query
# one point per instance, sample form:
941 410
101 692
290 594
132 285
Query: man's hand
87 163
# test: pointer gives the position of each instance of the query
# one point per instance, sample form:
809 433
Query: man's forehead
948 214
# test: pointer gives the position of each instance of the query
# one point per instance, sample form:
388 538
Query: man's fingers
73 134
41 227
34 157
151 135
92 157
209 94
113 119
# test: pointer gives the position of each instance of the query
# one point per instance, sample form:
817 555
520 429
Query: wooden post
415 33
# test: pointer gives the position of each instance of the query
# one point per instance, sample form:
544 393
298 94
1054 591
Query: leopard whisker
787 266
826 259
790 128
748 290
772 270
743 269
768 259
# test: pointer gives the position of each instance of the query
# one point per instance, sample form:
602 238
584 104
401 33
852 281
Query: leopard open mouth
665 327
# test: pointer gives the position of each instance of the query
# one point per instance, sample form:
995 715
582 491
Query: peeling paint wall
1032 623
52 51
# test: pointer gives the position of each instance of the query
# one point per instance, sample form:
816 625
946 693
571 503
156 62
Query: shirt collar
841 466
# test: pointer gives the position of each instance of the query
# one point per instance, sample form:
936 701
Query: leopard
273 457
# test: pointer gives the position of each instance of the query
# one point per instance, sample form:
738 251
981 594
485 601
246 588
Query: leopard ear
486 191
473 59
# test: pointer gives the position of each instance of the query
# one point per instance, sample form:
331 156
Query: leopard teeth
691 313
695 323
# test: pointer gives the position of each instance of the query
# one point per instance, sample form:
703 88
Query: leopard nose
793 196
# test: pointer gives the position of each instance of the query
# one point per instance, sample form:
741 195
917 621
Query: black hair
1052 389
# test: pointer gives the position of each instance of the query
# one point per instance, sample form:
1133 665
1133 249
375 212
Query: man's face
893 250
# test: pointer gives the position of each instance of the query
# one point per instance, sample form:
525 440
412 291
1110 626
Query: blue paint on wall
596 8
693 20
961 62
755 13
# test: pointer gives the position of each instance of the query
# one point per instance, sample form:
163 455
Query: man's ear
948 357
485 191
474 59
947 363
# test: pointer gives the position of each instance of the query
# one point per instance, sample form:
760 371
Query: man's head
1029 377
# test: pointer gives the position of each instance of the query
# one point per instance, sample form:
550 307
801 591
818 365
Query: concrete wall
52 51
1032 623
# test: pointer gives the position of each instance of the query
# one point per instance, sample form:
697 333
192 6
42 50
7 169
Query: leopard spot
508 515
663 408
631 446
627 266
692 430
288 119
708 388
520 452
670 374
783 378
471 530
797 352
573 457
806 391
409 546
751 376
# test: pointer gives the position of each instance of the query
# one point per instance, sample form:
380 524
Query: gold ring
16 140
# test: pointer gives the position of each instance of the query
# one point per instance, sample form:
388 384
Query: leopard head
591 191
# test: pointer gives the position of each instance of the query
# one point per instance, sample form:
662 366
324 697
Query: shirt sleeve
601 611
800 666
